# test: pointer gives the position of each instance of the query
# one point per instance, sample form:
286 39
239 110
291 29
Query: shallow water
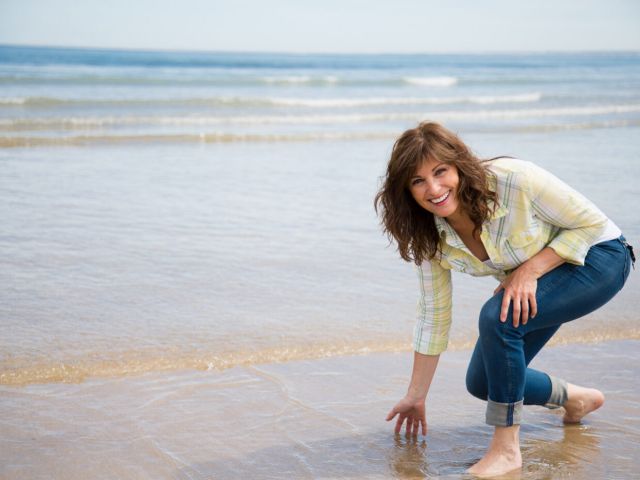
188 244
312 419
126 248
126 259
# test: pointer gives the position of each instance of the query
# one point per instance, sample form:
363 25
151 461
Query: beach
312 419
197 285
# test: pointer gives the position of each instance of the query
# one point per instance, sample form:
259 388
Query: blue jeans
498 371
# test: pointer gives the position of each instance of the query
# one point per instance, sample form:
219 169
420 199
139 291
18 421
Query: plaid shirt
535 210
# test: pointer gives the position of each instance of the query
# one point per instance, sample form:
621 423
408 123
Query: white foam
296 79
288 79
13 101
335 102
225 137
431 81
87 122
379 101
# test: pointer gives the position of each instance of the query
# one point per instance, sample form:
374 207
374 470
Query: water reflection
443 454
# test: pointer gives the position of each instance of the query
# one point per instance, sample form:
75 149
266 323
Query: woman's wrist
424 367
531 269
543 262
417 393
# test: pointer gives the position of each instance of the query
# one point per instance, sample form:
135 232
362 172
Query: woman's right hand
413 411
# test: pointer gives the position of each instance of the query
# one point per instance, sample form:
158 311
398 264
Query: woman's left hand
519 288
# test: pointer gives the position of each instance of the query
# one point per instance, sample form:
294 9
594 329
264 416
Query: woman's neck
461 222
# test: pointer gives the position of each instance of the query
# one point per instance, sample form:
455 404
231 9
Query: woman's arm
424 368
412 407
556 203
430 338
580 223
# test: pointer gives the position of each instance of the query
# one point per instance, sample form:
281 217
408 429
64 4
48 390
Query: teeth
441 199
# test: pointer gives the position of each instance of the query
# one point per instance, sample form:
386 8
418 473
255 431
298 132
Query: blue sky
326 26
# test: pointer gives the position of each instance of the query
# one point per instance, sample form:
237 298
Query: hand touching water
413 411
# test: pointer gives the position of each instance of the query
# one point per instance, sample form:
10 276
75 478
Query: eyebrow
433 170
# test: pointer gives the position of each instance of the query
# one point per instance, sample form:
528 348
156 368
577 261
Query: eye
416 181
440 171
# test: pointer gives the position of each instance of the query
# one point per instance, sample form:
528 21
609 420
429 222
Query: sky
332 26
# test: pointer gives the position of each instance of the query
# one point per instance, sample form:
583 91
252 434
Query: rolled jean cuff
559 393
504 414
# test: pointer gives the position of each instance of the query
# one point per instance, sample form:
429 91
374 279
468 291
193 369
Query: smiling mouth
440 200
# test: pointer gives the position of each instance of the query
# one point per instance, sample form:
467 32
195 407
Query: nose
432 185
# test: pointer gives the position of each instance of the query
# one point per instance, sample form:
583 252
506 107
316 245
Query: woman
556 255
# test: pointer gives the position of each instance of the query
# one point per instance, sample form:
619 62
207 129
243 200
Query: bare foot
581 401
495 463
503 455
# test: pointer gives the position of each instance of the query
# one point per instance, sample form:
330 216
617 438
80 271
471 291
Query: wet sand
310 419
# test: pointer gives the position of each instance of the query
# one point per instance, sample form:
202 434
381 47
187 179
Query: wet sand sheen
70 369
310 419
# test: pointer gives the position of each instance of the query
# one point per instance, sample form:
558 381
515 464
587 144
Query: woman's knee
489 319
476 384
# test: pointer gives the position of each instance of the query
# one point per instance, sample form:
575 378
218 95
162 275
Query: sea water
193 210
167 212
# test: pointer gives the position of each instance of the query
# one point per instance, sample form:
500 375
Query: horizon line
297 53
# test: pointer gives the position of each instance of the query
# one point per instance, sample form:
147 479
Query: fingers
516 312
413 426
534 306
504 310
399 423
528 309
524 308
390 415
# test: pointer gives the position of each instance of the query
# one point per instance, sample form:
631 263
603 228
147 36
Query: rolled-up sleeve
579 220
431 333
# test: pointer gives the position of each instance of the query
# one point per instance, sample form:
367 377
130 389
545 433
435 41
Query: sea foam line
91 122
232 101
216 137
296 79
381 101
442 81
27 371
222 137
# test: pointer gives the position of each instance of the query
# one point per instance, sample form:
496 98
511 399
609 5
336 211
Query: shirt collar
450 236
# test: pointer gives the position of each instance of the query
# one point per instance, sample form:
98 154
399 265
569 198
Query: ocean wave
380 101
117 364
72 123
78 140
239 101
13 101
431 81
222 137
297 79
224 79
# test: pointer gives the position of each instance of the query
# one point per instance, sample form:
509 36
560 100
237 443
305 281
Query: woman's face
434 186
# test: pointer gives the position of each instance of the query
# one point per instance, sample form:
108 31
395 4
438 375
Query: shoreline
310 419
75 371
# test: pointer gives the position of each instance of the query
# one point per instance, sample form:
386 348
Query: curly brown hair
403 220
